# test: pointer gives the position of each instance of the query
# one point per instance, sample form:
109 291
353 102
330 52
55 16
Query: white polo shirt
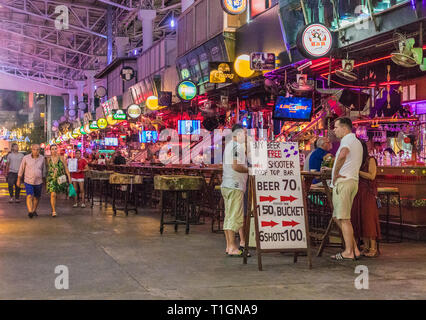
353 162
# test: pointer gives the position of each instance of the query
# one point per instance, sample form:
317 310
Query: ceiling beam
45 16
8 26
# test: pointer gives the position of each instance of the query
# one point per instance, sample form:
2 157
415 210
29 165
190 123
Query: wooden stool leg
400 217
113 199
187 209
91 188
387 216
176 210
126 199
162 212
325 238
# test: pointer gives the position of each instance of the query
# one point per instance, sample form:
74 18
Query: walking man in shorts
345 176
34 171
233 187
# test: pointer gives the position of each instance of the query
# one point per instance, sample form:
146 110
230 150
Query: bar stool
175 194
387 193
99 185
124 183
218 209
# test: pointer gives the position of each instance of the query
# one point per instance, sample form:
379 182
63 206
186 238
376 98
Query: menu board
279 195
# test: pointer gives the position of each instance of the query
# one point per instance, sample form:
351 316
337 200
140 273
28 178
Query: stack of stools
98 185
386 194
122 189
175 194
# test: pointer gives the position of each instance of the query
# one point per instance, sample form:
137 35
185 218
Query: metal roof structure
36 44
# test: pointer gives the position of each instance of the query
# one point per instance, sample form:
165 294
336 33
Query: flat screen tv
189 126
111 142
148 136
293 109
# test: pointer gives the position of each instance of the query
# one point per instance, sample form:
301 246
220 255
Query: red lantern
407 140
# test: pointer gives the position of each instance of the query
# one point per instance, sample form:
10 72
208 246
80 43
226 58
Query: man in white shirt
345 176
235 173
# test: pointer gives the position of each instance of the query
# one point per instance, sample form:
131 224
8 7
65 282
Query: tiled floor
126 258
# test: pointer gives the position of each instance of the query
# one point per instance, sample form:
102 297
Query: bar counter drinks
411 182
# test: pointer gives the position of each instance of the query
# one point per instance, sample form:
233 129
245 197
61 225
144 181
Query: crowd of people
355 206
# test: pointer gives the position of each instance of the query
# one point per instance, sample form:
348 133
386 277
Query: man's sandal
242 249
340 257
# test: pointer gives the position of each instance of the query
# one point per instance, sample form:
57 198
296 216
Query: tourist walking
77 178
234 181
33 171
13 162
345 176
365 213
57 174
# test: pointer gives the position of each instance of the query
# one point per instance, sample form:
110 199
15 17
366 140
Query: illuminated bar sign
119 115
234 7
186 90
315 41
102 123
110 105
260 61
221 72
93 125
134 111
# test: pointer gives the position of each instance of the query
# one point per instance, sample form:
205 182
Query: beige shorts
234 209
343 197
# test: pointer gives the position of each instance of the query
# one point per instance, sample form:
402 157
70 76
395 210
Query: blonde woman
56 169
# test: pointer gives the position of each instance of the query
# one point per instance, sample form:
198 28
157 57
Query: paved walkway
127 258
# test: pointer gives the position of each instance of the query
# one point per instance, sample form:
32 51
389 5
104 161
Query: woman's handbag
62 179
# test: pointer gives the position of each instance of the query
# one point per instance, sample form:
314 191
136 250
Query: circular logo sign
134 111
100 92
102 123
315 41
82 130
127 73
234 6
187 90
82 105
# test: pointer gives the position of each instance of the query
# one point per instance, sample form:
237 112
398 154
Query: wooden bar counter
411 182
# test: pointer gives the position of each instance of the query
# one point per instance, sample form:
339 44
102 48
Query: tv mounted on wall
293 109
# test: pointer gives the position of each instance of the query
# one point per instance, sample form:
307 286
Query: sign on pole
276 199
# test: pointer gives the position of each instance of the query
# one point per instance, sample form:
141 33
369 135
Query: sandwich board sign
277 200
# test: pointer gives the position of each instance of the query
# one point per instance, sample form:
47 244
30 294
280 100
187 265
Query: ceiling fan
346 72
407 56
